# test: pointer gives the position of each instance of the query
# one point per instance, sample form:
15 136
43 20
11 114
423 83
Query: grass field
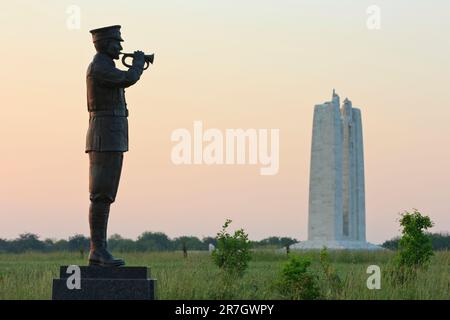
29 275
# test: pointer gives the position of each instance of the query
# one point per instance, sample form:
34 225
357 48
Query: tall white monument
336 187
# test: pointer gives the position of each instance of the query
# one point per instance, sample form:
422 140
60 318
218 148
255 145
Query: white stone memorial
336 218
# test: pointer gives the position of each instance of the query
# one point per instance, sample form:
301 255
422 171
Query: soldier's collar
105 58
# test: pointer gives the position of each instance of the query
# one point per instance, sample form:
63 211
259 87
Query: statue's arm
110 76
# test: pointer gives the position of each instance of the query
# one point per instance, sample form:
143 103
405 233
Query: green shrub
297 281
415 248
232 253
415 245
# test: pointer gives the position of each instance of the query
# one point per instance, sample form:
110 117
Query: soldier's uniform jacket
108 123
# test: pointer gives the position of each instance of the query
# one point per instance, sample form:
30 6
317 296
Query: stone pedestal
105 283
335 245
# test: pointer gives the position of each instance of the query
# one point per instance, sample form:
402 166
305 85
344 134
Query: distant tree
27 242
49 244
153 241
190 242
274 242
185 250
78 243
440 241
286 241
209 240
4 245
391 244
117 243
61 245
270 241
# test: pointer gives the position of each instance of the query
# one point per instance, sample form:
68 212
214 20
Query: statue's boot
98 221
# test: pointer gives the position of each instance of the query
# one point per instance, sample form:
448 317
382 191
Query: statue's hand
138 59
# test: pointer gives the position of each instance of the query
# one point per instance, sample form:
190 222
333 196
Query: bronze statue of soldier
107 136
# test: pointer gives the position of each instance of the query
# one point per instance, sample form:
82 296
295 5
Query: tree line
439 241
147 241
158 241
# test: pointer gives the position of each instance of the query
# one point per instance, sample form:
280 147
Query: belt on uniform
106 113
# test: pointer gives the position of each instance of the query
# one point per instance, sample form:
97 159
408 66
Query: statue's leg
104 176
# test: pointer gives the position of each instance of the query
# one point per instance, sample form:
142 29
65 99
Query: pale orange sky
258 64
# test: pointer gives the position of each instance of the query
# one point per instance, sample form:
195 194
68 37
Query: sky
259 64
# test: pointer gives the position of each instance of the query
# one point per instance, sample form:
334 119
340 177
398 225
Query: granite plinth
106 283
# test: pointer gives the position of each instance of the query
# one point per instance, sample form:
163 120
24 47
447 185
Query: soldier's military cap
111 32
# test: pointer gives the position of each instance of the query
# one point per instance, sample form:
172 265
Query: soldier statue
107 136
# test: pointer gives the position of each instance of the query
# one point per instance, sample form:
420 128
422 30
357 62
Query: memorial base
105 283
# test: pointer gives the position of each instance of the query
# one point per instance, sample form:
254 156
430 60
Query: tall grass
29 275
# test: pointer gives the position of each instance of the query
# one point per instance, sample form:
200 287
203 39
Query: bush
297 282
415 249
232 253
415 245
